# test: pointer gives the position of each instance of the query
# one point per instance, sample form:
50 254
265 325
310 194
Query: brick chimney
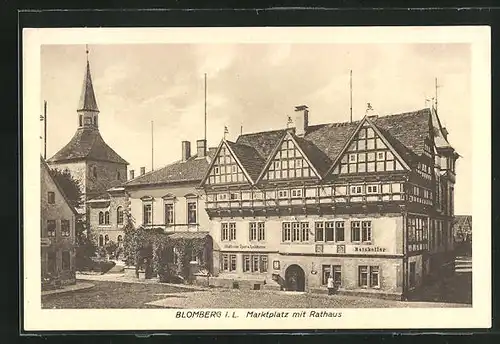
143 170
201 148
186 150
301 119
131 172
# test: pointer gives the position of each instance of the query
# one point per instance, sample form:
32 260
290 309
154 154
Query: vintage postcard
256 178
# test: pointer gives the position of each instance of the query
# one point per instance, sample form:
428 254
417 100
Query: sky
254 86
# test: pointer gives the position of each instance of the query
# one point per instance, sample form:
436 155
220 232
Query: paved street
107 294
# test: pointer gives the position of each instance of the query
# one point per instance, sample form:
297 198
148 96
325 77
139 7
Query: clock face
88 120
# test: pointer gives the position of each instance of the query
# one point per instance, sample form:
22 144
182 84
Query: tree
85 243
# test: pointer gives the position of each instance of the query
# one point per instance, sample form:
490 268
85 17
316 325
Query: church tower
87 156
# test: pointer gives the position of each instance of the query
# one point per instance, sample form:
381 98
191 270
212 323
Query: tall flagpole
350 94
45 129
205 110
152 148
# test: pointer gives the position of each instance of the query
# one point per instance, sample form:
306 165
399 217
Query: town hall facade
370 202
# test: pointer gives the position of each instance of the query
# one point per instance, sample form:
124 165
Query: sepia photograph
236 181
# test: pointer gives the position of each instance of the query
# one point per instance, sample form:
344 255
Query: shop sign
276 264
369 249
244 247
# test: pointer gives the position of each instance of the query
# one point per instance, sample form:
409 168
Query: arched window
100 240
101 218
94 171
106 218
95 121
106 239
119 239
80 120
119 216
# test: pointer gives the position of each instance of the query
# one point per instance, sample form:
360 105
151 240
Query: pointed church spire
87 107
87 98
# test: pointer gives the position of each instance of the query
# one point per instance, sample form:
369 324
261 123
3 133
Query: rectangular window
369 276
232 262
51 197
329 231
297 193
296 231
366 231
225 262
263 263
51 228
191 213
372 189
246 263
65 228
355 231
339 231
224 232
234 196
363 276
337 274
356 190
262 232
304 231
283 193
66 260
319 231
255 263
253 231
232 231
169 214
147 213
286 233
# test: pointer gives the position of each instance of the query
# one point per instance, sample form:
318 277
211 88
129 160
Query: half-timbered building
369 201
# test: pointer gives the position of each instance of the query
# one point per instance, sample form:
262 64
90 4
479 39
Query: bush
102 266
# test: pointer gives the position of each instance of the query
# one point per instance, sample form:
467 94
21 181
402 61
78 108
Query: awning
188 235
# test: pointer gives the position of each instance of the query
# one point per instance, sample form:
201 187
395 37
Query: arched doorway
295 278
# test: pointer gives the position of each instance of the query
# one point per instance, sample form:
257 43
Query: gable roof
191 170
322 144
43 165
87 143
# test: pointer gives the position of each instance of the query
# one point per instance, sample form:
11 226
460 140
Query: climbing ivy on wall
151 250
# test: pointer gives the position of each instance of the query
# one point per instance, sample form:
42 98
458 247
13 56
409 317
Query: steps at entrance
463 264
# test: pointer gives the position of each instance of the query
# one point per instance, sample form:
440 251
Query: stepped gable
87 144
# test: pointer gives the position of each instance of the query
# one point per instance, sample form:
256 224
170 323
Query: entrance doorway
412 274
295 278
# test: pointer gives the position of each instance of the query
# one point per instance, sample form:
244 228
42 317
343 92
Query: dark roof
249 157
43 165
323 143
87 143
191 170
408 129
263 142
87 98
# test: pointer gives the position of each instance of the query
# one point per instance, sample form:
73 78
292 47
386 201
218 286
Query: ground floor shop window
228 262
255 263
337 274
369 276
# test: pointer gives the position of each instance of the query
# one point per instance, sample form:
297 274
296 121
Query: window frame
119 216
168 214
51 197
51 228
190 212
65 231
